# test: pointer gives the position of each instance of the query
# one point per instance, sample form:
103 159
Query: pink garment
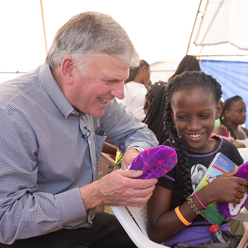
228 137
223 137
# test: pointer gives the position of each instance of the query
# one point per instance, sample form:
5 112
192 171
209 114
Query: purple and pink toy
231 209
155 161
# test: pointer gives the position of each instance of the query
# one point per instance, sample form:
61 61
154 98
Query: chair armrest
132 229
243 215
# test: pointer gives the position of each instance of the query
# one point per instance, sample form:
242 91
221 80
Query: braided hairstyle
227 106
156 99
187 82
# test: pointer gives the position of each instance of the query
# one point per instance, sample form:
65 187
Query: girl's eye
182 118
205 116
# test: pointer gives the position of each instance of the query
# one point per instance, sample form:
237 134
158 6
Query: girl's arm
163 224
245 130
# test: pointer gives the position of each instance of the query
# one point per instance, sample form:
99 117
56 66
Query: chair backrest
133 220
244 153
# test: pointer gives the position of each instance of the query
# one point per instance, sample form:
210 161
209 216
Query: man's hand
119 188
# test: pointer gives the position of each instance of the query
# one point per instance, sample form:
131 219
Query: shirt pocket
100 138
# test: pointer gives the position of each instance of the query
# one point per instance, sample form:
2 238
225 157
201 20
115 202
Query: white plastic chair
133 220
244 153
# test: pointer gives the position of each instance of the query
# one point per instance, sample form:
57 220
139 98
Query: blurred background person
233 115
188 63
135 89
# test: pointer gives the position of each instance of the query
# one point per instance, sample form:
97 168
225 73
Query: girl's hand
225 188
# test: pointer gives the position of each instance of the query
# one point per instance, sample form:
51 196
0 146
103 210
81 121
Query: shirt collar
54 92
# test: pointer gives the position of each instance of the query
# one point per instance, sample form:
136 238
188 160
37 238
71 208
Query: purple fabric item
155 161
230 209
194 235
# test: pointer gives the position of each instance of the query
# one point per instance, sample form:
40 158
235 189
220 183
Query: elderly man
53 124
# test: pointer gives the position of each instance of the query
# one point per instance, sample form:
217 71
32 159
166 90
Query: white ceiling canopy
224 21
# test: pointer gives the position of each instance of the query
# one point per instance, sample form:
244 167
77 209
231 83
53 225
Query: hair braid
182 153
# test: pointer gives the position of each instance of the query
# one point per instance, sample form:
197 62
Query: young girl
192 105
232 116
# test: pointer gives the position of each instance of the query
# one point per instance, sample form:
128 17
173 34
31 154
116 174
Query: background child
192 105
188 63
232 116
135 89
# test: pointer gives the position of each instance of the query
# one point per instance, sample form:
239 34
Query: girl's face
194 113
237 113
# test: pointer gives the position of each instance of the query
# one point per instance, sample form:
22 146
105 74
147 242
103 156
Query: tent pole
43 22
193 27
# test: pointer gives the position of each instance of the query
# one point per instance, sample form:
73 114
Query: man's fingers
132 173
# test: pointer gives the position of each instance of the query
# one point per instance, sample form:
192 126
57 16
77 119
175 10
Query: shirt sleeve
124 129
24 211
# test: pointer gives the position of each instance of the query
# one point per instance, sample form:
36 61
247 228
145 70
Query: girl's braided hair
156 99
187 81
227 106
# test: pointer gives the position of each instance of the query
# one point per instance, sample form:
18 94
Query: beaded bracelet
196 196
180 217
192 205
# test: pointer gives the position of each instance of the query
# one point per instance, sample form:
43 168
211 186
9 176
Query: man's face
102 79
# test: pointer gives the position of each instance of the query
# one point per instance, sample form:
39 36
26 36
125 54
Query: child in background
192 105
232 116
135 89
188 63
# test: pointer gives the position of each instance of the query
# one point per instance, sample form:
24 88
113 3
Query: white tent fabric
225 21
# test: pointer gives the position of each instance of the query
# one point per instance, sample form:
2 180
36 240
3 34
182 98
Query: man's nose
118 90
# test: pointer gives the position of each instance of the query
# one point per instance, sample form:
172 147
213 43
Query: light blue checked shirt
44 158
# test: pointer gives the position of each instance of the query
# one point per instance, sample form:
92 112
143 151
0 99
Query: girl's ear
227 113
219 110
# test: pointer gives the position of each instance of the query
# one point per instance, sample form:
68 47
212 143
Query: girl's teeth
195 135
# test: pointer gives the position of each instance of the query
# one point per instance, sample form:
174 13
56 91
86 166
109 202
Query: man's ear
67 68
219 110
